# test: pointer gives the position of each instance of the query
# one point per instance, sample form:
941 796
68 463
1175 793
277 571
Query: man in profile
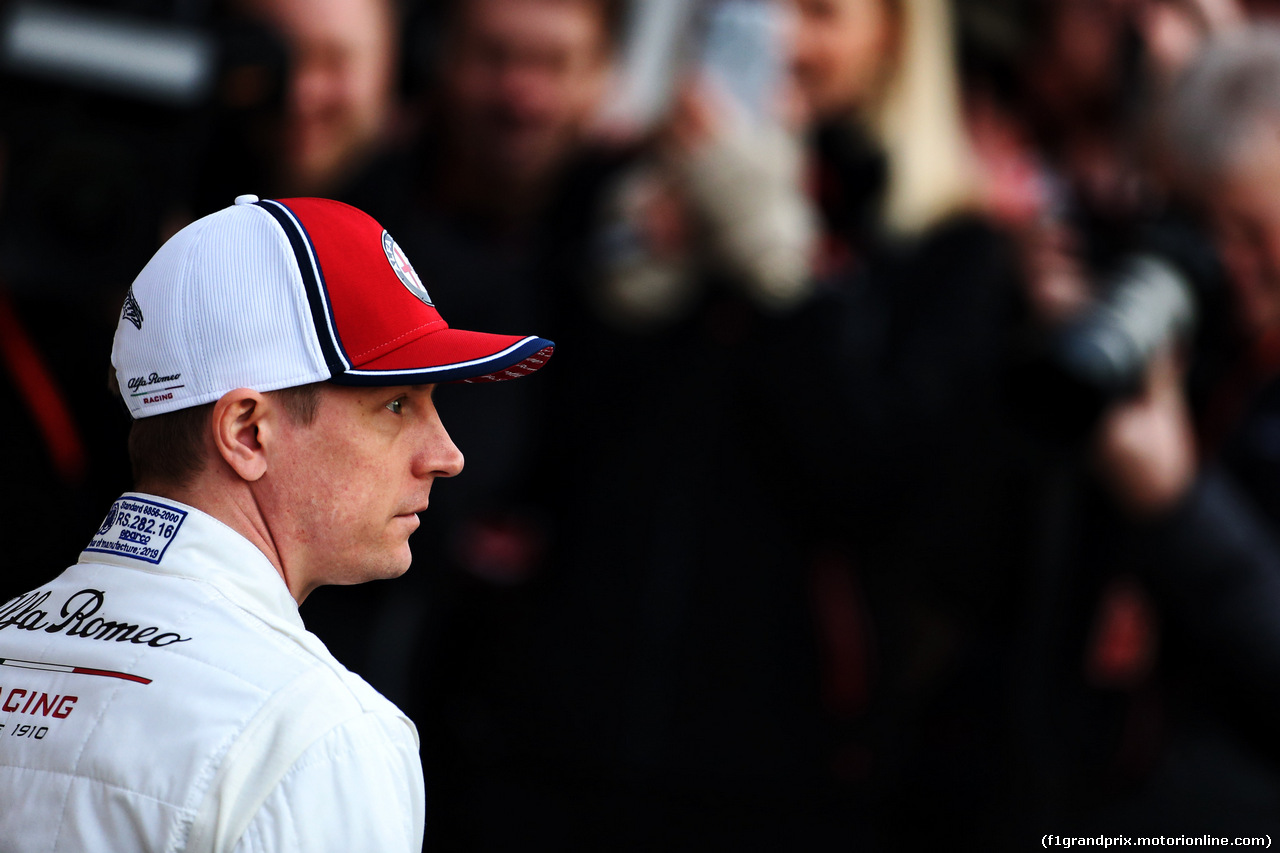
279 360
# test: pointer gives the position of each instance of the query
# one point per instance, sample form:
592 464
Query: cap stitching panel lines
311 335
193 331
453 365
394 344
312 263
313 279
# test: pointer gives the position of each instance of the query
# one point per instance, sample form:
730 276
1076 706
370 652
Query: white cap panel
221 306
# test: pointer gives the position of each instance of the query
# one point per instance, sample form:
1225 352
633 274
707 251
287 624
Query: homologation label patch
138 528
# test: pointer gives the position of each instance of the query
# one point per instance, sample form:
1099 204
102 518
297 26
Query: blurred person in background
1202 475
1116 728
507 108
337 129
103 146
919 473
514 88
1058 107
692 664
608 704
459 166
519 83
1224 148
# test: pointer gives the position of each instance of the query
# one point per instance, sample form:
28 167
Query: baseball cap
269 294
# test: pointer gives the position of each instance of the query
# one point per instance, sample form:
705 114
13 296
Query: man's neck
235 506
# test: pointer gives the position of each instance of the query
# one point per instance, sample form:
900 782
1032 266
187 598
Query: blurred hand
695 120
743 183
1056 284
1021 194
702 114
1146 451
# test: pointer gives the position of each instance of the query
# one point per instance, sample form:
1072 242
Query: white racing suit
163 695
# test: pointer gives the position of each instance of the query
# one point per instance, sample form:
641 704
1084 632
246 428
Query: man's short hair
1220 100
613 15
170 448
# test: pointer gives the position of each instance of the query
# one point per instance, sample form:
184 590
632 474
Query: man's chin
316 161
404 559
525 162
393 563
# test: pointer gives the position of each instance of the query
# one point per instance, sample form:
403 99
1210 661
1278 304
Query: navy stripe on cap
486 368
313 282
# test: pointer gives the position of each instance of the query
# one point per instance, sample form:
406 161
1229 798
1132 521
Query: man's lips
411 521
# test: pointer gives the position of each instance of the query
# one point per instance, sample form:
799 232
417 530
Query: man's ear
243 422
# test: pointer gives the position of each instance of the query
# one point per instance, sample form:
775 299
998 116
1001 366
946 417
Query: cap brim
453 355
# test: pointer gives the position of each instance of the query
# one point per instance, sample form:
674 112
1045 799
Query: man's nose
311 87
439 457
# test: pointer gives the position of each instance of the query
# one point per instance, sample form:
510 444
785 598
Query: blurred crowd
908 471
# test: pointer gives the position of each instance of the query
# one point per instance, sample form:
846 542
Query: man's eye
396 406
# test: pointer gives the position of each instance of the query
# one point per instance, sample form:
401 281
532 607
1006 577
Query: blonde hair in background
918 121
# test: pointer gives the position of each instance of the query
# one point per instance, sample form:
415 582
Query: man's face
1246 221
342 493
523 78
340 86
839 52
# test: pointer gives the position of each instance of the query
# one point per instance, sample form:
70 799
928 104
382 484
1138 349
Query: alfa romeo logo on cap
404 270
